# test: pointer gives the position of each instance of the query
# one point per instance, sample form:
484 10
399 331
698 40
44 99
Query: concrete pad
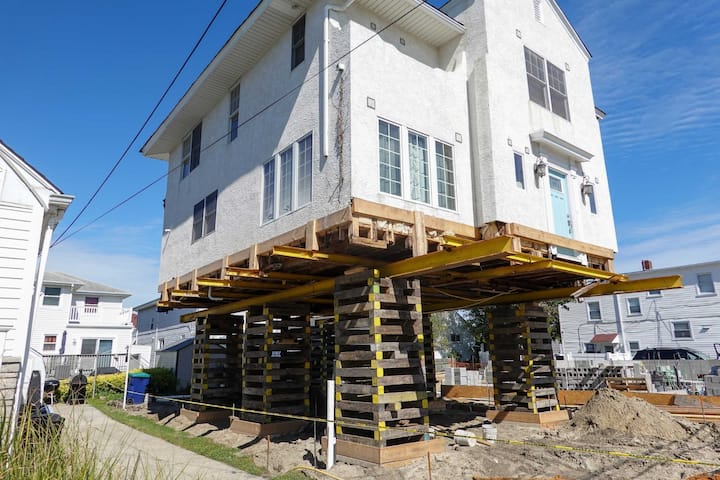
154 457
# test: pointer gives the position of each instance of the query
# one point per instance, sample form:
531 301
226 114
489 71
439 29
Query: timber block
394 456
204 416
545 419
256 429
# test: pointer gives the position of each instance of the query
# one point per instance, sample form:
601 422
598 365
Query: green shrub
162 381
110 384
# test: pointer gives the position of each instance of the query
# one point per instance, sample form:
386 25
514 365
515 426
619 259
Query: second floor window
204 214
91 304
234 112
298 43
51 296
191 151
49 343
287 180
445 175
546 84
633 305
594 313
519 174
705 284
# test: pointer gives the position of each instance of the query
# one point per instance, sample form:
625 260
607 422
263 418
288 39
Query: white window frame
445 177
519 160
45 296
282 181
538 73
234 115
207 207
654 293
419 176
630 345
52 345
701 293
589 312
390 165
629 308
590 347
689 330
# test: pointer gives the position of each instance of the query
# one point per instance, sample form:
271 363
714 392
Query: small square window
591 348
634 346
654 293
705 284
49 343
594 313
681 330
51 296
633 304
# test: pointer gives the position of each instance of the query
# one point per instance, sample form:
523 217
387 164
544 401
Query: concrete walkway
134 450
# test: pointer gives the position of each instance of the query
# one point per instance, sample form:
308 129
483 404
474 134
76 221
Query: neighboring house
81 317
480 113
161 329
30 209
688 317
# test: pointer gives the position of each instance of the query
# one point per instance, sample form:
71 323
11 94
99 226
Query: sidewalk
157 458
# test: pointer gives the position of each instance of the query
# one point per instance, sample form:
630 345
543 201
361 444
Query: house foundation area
347 299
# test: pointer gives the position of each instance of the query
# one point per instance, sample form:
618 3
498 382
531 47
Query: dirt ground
580 449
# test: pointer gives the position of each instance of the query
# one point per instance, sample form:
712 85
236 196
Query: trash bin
45 422
137 386
78 388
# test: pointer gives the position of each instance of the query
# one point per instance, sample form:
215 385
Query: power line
142 127
62 238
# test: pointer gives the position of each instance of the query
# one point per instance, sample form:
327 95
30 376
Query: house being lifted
338 171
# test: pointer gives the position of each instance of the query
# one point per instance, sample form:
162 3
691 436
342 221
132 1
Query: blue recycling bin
137 386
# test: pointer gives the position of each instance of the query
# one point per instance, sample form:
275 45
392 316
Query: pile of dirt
610 411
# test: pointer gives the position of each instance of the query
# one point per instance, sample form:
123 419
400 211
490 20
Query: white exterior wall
502 113
235 168
653 327
412 89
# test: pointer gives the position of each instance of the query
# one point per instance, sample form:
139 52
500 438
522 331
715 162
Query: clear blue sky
78 78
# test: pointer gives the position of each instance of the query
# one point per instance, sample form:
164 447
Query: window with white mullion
537 83
234 112
445 175
285 195
198 211
186 151
269 190
558 92
419 167
389 151
304 171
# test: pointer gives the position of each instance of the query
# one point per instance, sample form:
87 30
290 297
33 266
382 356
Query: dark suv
668 353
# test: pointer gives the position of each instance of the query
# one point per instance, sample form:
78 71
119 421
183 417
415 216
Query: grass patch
200 445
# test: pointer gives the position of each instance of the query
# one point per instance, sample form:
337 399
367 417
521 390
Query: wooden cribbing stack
276 363
522 359
380 381
429 351
216 352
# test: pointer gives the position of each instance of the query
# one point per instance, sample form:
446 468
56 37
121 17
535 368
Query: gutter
324 90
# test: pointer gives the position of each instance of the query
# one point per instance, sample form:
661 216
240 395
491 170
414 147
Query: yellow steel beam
204 295
314 255
256 274
453 241
540 264
309 290
658 283
479 251
222 283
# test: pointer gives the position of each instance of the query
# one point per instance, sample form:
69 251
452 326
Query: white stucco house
480 113
686 318
81 317
30 208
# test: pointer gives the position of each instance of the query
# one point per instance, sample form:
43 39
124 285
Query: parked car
668 353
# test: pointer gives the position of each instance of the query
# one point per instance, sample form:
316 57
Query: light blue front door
560 206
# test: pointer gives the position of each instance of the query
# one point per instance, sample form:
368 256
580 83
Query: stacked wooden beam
215 369
381 389
429 351
522 359
276 364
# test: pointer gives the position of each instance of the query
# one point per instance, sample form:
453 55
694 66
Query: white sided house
30 209
478 117
81 317
687 318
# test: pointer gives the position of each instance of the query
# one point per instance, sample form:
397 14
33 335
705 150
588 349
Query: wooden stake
267 461
429 466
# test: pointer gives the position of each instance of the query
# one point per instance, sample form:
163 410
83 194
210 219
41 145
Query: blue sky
78 78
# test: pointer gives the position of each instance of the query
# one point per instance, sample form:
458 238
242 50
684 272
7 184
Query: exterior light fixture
587 186
540 167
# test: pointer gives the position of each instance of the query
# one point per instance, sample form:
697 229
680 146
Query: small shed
178 358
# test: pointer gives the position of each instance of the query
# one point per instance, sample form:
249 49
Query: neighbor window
419 170
191 151
594 313
389 138
91 304
591 348
705 283
681 330
298 43
49 343
204 214
654 293
634 346
287 177
445 175
519 175
634 306
546 84
234 112
51 296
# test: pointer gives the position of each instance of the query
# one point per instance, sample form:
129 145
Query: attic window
538 10
298 43
234 114
191 151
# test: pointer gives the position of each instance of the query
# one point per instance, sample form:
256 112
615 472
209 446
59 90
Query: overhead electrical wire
142 127
64 237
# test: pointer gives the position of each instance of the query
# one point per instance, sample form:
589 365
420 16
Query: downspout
324 89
